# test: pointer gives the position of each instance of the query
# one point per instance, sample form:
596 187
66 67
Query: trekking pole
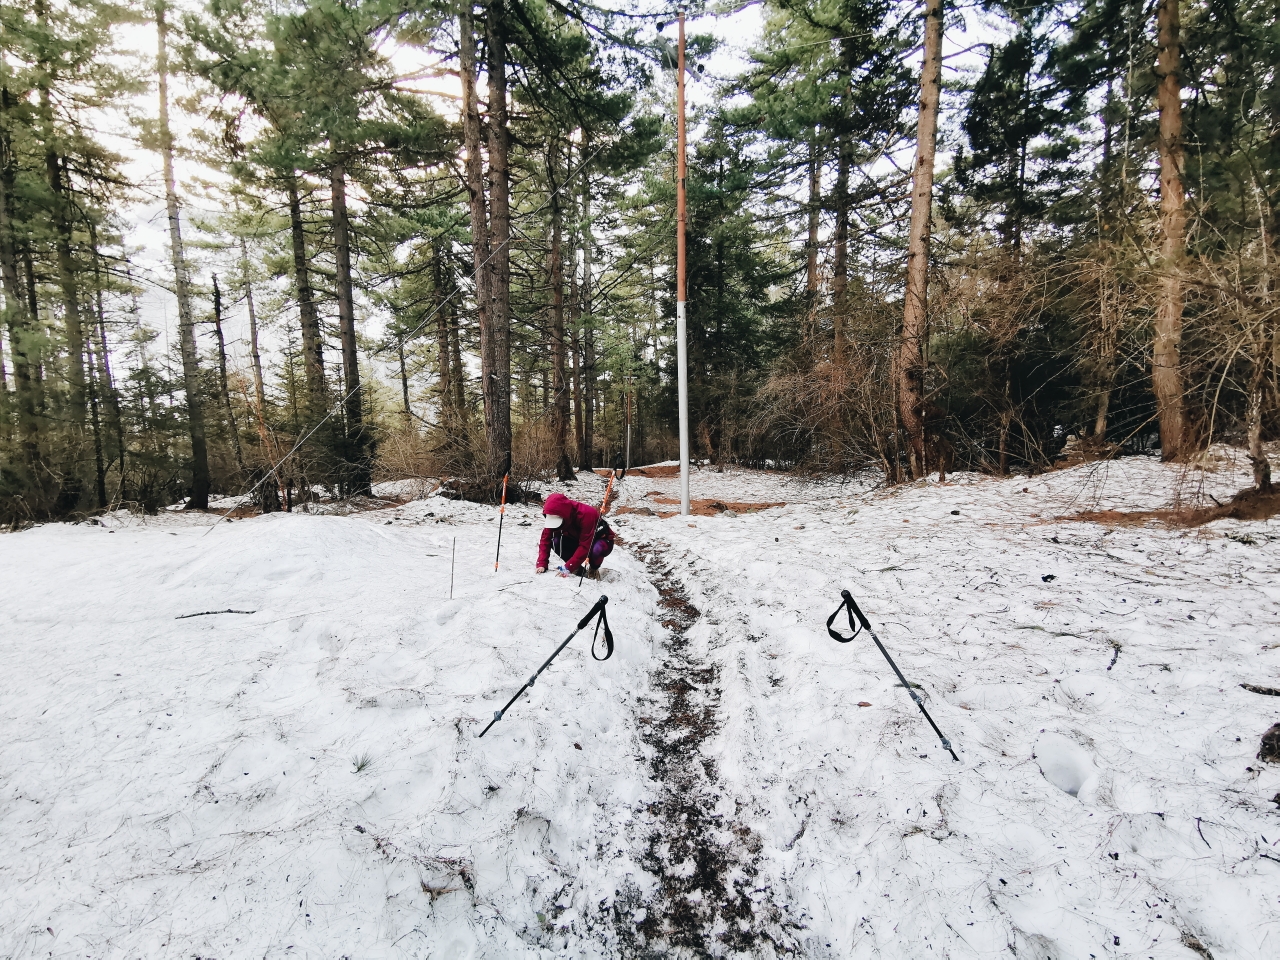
592 614
502 511
604 505
848 603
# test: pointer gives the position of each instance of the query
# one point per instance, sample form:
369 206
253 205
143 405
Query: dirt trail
708 902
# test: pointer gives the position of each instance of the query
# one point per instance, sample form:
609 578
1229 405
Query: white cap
553 521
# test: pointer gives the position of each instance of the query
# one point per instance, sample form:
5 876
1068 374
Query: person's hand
540 570
562 571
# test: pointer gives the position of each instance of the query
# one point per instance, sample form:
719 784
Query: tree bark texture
259 391
99 463
308 319
60 214
589 382
353 401
1257 455
1108 333
444 357
575 361
495 332
1166 361
18 318
182 286
814 212
223 379
559 387
909 372
103 370
840 259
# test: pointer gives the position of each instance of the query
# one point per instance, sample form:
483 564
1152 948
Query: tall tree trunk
909 372
1257 455
107 384
444 358
404 383
19 319
559 390
259 390
33 315
357 443
840 260
186 322
589 383
814 212
223 379
1109 322
1265 343
99 464
308 319
455 355
472 134
575 354
269 491
61 215
1166 361
495 341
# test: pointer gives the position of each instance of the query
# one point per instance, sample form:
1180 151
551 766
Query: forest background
448 233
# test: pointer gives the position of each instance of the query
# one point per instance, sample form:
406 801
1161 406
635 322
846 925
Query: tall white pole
682 352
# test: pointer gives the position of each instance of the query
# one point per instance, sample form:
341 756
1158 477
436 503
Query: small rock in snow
1270 752
729 513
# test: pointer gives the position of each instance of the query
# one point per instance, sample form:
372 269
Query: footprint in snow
1066 765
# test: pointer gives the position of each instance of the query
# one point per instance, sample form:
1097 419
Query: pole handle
855 609
593 612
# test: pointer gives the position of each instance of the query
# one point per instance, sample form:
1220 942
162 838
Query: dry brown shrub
533 449
838 418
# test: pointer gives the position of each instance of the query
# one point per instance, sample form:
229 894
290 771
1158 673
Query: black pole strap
848 603
608 637
595 612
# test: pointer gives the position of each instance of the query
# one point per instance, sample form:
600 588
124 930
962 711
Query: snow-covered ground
304 778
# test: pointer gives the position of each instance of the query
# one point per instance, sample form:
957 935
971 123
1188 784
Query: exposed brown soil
700 508
1246 505
669 470
708 903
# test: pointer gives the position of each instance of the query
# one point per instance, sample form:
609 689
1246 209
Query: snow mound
1065 764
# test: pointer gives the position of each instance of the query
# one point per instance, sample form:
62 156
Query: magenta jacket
580 521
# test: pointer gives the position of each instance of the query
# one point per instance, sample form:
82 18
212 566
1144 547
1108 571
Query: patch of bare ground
709 901
667 470
698 508
1247 505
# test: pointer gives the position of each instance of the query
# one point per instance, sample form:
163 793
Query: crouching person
578 535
